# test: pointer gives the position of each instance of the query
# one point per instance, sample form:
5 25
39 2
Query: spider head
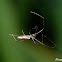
33 35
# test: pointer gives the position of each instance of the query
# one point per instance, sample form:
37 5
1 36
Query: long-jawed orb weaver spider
32 36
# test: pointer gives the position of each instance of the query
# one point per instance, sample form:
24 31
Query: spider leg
23 32
35 27
13 36
29 33
50 41
42 38
38 41
39 16
41 42
39 31
33 40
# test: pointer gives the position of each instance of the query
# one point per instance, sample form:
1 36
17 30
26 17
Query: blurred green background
15 16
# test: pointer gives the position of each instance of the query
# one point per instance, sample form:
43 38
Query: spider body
26 36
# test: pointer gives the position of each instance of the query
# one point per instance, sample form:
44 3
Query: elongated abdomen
24 37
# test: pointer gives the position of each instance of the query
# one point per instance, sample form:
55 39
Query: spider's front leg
13 36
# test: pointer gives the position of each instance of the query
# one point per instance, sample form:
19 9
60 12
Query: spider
32 36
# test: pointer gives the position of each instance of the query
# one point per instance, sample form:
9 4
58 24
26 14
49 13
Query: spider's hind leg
39 41
33 40
42 38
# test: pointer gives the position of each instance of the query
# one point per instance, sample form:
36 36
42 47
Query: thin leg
50 41
44 44
36 14
42 38
23 32
13 36
33 40
39 32
39 41
35 27
29 33
39 16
